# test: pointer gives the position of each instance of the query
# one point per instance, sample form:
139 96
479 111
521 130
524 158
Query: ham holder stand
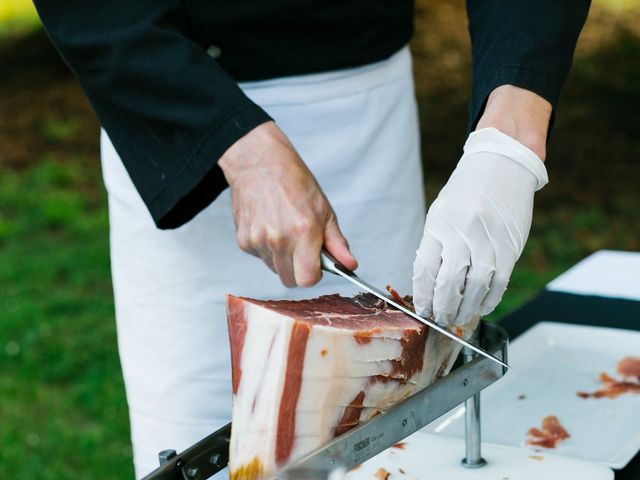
463 384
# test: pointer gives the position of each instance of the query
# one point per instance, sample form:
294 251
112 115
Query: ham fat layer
307 371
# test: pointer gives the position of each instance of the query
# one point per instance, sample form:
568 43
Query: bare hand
280 212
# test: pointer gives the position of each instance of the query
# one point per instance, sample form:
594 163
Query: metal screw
165 456
466 382
404 422
192 473
215 459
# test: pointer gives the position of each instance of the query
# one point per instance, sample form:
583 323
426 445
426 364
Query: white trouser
357 130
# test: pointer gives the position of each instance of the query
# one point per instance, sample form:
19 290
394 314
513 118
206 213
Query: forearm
169 109
519 113
523 43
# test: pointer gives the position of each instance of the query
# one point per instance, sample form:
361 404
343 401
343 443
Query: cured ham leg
307 371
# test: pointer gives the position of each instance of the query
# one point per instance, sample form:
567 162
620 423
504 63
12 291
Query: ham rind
307 371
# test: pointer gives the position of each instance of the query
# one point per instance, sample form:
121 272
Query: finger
306 255
425 270
277 244
254 243
337 245
478 280
244 241
306 261
447 293
283 264
267 258
505 261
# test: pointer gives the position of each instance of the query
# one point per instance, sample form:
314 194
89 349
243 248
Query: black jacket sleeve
168 107
526 43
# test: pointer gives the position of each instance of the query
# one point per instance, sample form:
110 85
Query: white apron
357 130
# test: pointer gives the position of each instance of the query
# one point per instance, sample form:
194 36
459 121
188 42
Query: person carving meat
306 110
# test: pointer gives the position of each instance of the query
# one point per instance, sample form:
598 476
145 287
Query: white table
606 273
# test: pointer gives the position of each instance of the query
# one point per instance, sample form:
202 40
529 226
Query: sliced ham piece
307 371
552 432
629 368
382 474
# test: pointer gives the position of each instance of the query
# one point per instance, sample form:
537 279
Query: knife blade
331 265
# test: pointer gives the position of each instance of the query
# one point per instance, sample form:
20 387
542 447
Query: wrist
249 153
521 114
500 146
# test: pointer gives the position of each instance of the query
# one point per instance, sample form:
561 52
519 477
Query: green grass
17 17
618 5
62 405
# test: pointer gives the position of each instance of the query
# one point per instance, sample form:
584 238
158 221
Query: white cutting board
435 457
550 362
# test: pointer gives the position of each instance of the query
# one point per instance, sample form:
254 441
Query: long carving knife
331 265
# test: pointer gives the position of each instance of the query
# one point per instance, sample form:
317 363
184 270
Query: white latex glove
476 229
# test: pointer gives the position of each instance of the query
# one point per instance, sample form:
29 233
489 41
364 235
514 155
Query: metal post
329 473
473 458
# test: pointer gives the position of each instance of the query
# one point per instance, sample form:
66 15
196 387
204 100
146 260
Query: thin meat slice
405 302
551 433
629 368
382 474
307 371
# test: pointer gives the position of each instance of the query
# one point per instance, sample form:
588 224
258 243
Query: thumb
337 245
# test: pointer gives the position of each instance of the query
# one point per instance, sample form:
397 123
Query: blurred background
62 406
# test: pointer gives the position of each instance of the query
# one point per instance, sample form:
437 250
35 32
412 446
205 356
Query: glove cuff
492 140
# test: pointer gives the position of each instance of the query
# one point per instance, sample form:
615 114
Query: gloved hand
476 229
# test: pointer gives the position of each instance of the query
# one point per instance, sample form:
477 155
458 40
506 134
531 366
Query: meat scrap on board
629 369
307 371
551 433
382 474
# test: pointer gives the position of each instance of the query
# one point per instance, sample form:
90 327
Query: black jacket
171 109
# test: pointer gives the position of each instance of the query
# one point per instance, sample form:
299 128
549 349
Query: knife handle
329 264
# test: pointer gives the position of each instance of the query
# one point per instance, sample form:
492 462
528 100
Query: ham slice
551 433
629 368
307 371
